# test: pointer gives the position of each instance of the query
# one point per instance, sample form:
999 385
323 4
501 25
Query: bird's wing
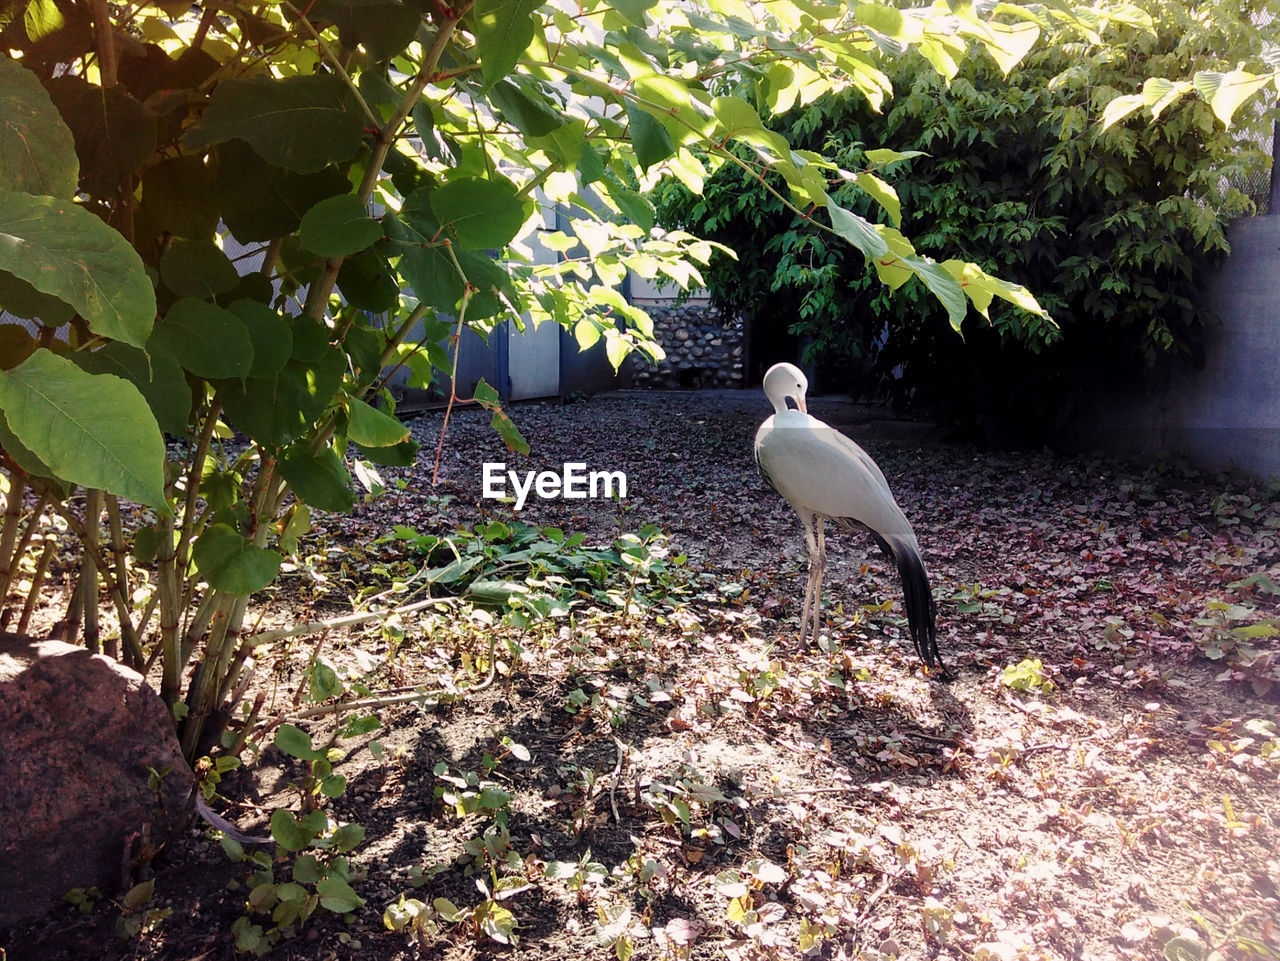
817 468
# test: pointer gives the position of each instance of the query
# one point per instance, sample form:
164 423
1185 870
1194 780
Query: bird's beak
800 404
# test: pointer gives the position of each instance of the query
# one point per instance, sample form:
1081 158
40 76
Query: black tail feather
922 613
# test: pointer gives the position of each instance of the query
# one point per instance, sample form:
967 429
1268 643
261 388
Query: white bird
826 476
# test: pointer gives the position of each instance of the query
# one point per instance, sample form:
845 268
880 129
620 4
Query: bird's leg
807 521
817 580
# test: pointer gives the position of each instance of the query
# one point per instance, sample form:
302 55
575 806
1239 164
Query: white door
533 360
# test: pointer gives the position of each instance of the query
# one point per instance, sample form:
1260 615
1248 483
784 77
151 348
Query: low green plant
1230 634
135 917
530 573
320 874
1028 675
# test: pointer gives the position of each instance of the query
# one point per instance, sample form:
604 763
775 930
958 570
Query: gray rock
80 731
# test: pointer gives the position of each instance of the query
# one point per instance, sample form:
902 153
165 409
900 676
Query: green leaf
337 895
320 480
616 347
22 300
397 455
482 213
371 427
735 116
649 138
523 105
114 133
1227 91
206 339
1186 949
633 10
270 333
857 230
943 286
1008 43
197 268
260 201
324 681
884 195
25 458
366 282
348 837
339 226
155 373
276 410
178 195
296 742
890 22
675 100
334 785
300 123
61 249
1121 107
563 144
307 869
232 563
289 832
37 152
90 429
503 30
384 28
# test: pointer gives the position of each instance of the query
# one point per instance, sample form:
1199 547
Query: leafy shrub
1112 229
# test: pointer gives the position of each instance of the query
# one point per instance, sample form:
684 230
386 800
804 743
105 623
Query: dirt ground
687 783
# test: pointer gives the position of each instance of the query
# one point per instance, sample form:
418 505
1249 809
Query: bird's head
784 385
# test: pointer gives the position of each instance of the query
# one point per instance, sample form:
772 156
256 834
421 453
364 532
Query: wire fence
1258 184
1262 135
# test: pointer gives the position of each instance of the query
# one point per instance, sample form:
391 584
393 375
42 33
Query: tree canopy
1041 177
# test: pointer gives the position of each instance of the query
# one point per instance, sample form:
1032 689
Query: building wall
1228 413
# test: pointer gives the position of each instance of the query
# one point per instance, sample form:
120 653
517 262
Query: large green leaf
114 133
276 410
383 27
37 152
483 213
63 250
25 458
945 287
522 104
337 895
503 30
271 335
371 427
339 226
857 230
650 139
19 298
320 480
90 429
366 282
427 268
178 196
155 373
197 268
206 339
260 201
299 123
231 562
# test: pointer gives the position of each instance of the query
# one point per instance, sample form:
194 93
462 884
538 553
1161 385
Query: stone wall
704 349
